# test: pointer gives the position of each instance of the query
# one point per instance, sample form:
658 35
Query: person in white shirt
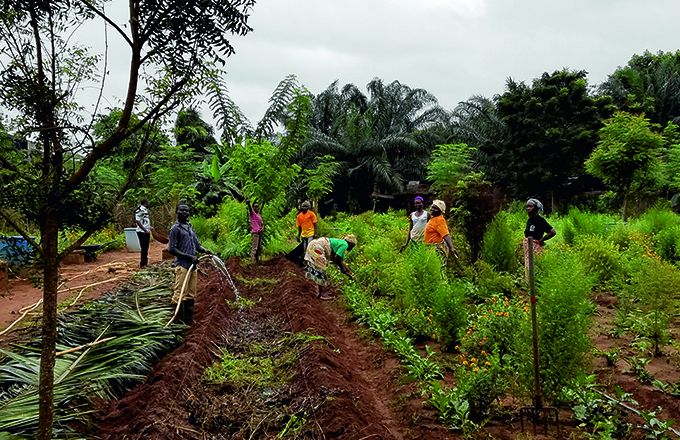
417 221
143 221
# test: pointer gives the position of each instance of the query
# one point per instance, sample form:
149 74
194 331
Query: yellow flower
487 363
483 352
465 362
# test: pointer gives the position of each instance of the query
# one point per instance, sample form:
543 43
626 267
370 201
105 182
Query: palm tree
374 139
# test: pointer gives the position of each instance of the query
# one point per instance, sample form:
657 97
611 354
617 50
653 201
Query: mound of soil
339 387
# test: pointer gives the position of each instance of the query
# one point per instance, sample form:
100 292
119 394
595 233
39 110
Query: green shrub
667 244
488 282
579 223
495 327
656 219
500 242
449 311
648 299
601 259
564 314
480 382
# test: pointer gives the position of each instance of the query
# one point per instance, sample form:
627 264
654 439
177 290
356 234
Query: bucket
131 240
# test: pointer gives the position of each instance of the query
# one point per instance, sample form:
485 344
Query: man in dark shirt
537 228
184 245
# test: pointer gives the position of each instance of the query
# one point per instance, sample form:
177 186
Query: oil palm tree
374 139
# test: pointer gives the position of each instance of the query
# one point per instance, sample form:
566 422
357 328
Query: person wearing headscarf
322 250
537 228
417 221
306 223
437 231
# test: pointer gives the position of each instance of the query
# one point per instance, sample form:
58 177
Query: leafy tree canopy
649 84
551 128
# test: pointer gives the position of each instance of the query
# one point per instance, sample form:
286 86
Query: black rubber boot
188 311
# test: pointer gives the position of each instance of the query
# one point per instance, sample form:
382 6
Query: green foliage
449 311
480 382
564 313
649 299
648 84
551 128
319 180
449 164
500 244
602 417
626 157
600 258
498 326
262 173
454 411
579 223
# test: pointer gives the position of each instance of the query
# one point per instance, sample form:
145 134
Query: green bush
648 300
480 382
449 311
601 258
496 327
579 223
656 219
500 242
564 314
667 244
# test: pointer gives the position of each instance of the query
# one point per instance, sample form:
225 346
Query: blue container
16 250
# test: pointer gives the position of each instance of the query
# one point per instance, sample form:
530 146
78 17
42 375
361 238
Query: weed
241 303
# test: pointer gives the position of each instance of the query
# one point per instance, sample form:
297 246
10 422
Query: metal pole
538 404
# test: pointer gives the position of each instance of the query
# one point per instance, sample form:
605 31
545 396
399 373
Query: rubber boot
188 311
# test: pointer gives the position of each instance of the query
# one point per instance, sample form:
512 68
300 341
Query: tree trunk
49 231
624 208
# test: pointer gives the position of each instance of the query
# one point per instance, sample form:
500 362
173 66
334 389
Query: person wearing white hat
437 231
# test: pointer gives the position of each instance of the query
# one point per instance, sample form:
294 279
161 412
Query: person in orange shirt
306 223
437 231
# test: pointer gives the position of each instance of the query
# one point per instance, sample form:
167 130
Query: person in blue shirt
184 245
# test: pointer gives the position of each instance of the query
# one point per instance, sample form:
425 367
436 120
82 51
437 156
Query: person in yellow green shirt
306 223
437 231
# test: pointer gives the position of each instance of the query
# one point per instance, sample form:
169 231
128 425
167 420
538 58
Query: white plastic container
131 240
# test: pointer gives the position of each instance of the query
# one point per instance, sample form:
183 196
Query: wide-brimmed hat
439 204
351 239
305 205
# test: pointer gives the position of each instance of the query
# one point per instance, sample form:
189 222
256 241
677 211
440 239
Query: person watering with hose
184 245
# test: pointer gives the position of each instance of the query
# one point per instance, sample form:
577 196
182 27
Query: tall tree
649 84
169 43
551 129
193 132
627 155
375 139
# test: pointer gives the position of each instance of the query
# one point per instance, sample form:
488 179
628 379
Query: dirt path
109 268
340 385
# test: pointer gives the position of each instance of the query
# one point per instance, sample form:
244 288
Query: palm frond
279 101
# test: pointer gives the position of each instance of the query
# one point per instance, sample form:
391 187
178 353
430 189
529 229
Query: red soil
115 265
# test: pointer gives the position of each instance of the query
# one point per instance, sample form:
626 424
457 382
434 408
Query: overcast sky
452 48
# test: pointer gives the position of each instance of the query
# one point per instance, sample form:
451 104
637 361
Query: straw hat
350 238
439 204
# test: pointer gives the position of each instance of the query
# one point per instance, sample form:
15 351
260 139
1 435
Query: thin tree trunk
49 230
624 208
